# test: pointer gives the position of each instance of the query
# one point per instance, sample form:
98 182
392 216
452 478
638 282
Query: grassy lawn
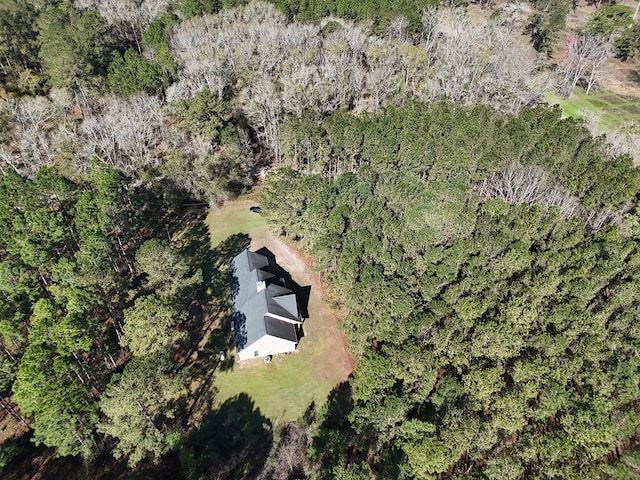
283 389
235 217
607 109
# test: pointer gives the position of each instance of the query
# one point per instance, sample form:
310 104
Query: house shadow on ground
303 293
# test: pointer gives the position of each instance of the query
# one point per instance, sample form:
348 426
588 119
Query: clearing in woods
617 101
283 389
606 109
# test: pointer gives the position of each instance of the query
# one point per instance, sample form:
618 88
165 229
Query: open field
606 109
284 389
235 217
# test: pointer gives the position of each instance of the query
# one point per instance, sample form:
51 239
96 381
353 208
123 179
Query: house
266 320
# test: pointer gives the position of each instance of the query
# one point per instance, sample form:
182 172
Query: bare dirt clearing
322 324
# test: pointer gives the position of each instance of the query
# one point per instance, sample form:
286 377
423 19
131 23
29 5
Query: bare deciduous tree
517 184
7 160
477 60
30 133
31 112
624 139
265 108
278 68
582 63
130 18
288 458
125 133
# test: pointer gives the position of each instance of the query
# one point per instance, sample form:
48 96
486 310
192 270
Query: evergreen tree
75 46
149 326
134 406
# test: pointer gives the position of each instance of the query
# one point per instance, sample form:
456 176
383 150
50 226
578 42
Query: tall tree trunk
12 411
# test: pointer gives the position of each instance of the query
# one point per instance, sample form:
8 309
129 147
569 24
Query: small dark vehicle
255 209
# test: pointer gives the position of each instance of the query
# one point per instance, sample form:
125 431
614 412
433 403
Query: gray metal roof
281 329
254 297
256 261
284 305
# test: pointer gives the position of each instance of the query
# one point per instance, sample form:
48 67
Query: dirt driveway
322 323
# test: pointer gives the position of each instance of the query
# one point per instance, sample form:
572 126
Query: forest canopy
488 267
483 248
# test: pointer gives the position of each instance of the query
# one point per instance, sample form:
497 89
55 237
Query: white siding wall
267 345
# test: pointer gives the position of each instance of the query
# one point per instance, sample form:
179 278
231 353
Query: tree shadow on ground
223 254
191 236
337 442
333 419
200 374
211 320
221 340
230 443
162 207
167 468
303 293
232 246
211 304
37 462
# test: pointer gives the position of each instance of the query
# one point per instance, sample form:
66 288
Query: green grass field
607 109
283 389
235 217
